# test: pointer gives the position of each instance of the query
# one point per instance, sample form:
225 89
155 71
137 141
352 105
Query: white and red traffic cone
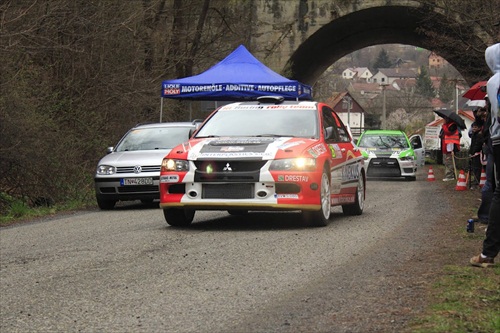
430 175
461 182
482 181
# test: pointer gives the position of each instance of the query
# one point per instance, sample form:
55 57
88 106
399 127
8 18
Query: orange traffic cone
483 178
461 183
430 175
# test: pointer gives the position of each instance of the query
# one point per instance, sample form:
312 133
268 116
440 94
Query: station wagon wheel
178 217
105 204
320 218
357 207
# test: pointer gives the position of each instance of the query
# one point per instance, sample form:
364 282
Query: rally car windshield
259 122
384 141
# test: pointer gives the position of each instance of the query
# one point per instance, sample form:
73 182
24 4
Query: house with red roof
349 111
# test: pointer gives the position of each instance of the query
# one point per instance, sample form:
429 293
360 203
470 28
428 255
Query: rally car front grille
227 191
226 176
384 167
228 166
227 171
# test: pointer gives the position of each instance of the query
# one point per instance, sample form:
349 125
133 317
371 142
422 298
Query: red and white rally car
268 154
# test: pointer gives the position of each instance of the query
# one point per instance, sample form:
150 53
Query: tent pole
161 108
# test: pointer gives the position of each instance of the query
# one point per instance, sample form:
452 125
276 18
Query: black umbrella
447 113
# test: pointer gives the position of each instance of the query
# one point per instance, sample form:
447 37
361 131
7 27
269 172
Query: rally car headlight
106 170
169 164
294 164
406 156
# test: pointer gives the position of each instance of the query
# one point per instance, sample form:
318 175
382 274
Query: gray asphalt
126 270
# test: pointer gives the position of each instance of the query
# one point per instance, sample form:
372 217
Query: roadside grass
17 211
463 298
466 299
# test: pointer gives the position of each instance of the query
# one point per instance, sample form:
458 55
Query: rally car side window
330 125
344 134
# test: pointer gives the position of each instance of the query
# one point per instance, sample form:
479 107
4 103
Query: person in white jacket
491 243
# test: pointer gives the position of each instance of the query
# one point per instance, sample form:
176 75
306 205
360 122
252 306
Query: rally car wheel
321 217
357 207
237 212
179 217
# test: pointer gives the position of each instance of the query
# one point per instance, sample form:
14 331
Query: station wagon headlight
294 164
170 164
106 170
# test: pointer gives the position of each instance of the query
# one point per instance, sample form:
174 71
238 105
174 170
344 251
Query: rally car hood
244 148
139 157
376 152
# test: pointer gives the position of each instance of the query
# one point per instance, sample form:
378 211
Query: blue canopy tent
238 77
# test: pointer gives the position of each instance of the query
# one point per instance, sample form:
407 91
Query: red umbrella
477 91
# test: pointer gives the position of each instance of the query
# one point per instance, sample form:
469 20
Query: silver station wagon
131 170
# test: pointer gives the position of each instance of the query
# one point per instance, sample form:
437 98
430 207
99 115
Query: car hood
132 158
264 148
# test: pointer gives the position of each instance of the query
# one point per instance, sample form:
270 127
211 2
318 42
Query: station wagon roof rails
271 99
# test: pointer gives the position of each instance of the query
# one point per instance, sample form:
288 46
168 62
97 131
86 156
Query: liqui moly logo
171 89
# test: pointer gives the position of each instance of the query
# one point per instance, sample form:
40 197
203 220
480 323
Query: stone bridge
302 38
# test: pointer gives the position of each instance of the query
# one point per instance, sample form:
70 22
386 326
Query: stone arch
384 24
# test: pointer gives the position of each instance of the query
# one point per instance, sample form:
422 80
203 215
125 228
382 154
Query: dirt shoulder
449 245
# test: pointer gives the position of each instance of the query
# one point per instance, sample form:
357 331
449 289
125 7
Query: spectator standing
476 135
487 160
491 243
450 144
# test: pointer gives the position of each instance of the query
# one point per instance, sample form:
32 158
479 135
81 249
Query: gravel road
126 270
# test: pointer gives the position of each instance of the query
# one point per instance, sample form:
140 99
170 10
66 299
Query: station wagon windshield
262 122
153 138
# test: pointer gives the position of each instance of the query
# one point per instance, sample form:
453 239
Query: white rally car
262 155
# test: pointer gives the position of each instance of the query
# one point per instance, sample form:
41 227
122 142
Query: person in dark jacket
491 243
476 134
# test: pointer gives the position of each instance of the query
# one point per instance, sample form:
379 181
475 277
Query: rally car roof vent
271 99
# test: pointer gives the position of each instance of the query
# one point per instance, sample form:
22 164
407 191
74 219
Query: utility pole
347 104
384 111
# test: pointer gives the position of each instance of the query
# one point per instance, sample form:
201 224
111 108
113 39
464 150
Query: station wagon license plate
136 181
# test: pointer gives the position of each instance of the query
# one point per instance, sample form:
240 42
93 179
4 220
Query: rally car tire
357 207
105 204
320 218
179 217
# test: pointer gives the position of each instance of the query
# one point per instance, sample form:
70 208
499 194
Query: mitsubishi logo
227 168
137 169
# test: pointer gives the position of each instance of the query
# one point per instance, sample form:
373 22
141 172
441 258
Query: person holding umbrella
450 143
491 243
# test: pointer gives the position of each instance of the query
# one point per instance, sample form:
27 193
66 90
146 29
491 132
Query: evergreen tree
382 60
446 90
424 84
